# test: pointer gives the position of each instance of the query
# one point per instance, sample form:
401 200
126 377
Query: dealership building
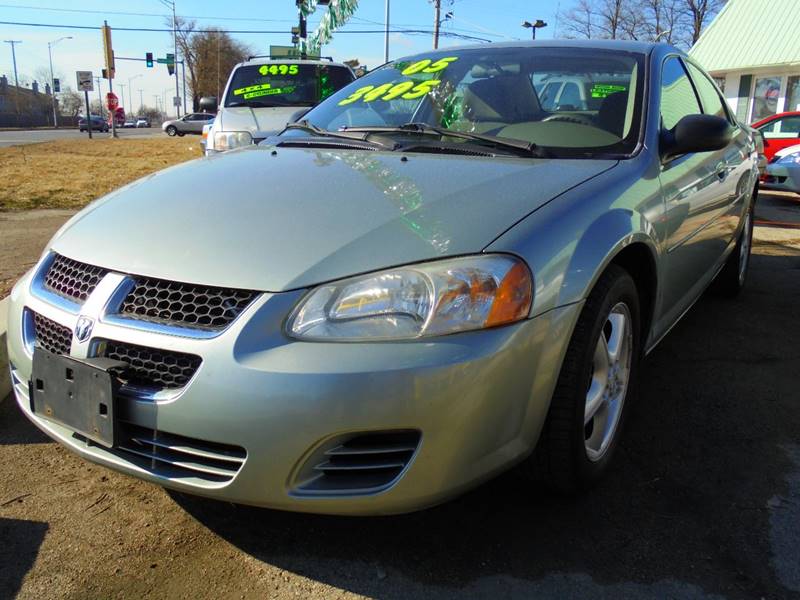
752 49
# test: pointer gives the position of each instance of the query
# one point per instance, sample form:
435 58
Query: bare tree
579 20
700 12
71 103
210 56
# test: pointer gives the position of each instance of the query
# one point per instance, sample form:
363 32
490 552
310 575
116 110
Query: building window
793 94
765 97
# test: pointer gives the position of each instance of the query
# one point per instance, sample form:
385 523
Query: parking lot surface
18 137
703 500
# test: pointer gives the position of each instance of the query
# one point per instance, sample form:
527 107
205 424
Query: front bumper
781 178
478 400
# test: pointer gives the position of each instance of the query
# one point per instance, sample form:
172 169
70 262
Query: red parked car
779 131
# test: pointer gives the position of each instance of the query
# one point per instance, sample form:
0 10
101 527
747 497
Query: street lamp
52 78
538 24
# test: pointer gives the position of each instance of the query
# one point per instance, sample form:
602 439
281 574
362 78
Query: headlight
436 298
228 140
793 158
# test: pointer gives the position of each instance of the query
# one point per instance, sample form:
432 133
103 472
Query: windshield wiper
519 146
306 125
250 103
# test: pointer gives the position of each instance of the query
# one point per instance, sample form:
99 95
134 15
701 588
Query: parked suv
263 94
191 123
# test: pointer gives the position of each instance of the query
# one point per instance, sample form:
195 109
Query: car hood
258 121
278 219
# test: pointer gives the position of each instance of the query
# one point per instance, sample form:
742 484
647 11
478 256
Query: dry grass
72 173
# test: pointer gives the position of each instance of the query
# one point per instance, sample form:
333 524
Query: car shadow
15 428
19 545
685 500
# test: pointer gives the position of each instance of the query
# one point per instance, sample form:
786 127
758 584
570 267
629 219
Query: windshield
576 101
285 84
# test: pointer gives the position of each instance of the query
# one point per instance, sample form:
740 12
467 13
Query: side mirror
695 133
208 104
299 115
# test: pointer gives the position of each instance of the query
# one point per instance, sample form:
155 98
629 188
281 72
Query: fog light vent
359 464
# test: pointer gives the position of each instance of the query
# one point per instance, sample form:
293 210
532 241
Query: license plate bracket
78 393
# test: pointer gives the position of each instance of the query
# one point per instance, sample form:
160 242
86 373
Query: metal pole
386 36
16 80
437 11
141 102
52 86
88 114
175 43
100 96
112 113
122 93
183 70
218 38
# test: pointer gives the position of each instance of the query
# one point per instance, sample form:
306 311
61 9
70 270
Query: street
703 500
18 137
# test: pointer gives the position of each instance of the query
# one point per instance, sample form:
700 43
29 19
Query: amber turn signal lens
512 300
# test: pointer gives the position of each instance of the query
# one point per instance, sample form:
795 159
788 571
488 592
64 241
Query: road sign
176 101
85 81
112 102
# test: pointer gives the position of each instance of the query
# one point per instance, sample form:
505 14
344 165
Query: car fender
570 241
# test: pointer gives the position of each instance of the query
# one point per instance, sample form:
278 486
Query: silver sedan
783 171
427 280
191 123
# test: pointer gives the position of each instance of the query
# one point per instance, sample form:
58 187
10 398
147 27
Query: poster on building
765 97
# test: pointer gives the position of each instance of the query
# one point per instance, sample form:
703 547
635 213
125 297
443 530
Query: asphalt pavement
16 137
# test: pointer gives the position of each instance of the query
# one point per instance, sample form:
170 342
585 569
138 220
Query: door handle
722 171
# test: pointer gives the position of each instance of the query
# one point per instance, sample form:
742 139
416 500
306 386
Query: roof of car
621 45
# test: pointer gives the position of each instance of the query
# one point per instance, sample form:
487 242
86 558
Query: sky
494 20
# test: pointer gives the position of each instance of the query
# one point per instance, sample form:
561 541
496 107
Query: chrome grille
176 456
72 279
151 367
185 304
361 463
50 335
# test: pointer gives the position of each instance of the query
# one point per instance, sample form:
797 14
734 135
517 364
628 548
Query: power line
251 31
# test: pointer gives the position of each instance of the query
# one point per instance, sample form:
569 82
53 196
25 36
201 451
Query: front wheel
594 389
171 131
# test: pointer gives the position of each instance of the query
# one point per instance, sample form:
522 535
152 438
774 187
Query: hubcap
611 368
744 249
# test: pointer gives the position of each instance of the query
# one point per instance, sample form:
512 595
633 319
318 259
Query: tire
573 453
171 131
732 277
181 134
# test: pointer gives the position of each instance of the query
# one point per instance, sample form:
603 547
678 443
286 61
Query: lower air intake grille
51 336
360 464
151 367
178 457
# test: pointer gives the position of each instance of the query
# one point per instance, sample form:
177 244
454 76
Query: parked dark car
97 123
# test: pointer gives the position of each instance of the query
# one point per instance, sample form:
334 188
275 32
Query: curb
5 376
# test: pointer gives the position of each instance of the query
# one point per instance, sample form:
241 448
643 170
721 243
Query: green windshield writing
604 90
268 92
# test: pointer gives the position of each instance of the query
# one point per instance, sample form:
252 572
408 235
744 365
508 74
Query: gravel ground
702 502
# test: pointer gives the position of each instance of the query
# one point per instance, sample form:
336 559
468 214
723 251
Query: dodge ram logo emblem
83 328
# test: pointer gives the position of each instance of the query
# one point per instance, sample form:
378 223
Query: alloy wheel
608 385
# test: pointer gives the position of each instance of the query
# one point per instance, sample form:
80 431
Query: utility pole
122 93
100 96
141 101
437 14
130 91
183 70
386 36
52 77
16 80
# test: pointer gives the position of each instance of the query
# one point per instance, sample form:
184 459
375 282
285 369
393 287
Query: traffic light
104 73
149 58
56 85
171 64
